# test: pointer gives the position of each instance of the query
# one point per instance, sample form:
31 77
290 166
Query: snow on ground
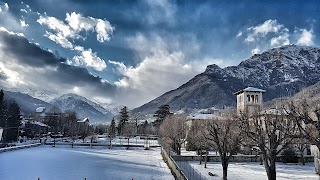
64 162
254 171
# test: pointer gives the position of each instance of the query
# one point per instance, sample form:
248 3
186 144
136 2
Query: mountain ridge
280 71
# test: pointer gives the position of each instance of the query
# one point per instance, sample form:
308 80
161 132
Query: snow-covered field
255 171
60 162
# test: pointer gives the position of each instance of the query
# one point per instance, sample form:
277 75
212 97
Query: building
249 100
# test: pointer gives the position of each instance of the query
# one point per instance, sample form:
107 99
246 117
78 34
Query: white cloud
24 10
60 28
261 30
280 40
75 23
255 51
239 34
7 19
90 59
121 67
23 23
6 7
306 37
10 32
64 32
59 39
103 28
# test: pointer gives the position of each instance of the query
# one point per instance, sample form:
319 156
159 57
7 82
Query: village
249 133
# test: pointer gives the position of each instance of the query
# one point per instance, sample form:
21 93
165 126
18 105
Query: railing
189 171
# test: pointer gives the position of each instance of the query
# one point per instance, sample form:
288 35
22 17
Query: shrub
288 155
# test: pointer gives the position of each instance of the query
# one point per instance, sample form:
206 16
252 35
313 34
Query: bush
289 156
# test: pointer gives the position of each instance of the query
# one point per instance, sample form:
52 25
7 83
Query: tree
13 122
197 138
305 112
3 110
271 131
123 118
129 129
162 112
226 136
173 131
112 128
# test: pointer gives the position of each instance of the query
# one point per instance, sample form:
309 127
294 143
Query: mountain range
82 106
282 71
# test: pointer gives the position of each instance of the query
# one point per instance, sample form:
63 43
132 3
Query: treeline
9 119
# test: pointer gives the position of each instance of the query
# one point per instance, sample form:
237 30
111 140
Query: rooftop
250 89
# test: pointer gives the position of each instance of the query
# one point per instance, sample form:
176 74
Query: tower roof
250 89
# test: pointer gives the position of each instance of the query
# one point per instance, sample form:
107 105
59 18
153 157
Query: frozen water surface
95 163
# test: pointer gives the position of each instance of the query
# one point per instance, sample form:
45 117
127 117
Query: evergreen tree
3 114
162 112
112 128
13 122
123 118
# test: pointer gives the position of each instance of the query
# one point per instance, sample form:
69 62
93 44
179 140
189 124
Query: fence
180 169
189 171
176 171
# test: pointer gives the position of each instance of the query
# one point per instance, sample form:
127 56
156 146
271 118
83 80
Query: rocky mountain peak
213 68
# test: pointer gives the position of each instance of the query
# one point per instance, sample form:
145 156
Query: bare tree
271 131
129 130
173 129
197 138
307 117
225 135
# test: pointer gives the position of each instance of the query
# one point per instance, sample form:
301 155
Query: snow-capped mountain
280 71
83 107
26 103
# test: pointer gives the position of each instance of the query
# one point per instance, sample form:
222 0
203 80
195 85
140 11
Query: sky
118 52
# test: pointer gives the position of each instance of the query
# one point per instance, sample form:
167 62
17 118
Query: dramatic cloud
26 65
306 37
161 69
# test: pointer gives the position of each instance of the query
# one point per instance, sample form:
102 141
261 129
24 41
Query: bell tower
249 100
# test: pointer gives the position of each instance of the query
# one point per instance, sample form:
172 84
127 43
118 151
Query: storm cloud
30 66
